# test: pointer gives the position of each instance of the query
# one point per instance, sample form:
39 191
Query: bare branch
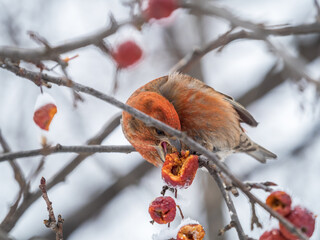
263 185
317 6
226 228
18 175
235 21
294 64
254 217
185 63
257 32
38 169
55 226
44 53
227 198
214 10
39 39
67 149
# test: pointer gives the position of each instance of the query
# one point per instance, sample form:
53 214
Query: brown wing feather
244 115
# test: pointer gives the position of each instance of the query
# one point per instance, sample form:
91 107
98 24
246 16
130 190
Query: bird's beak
161 153
175 143
162 148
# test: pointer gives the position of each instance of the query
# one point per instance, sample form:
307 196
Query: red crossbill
207 116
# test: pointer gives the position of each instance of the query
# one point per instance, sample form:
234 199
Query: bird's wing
244 115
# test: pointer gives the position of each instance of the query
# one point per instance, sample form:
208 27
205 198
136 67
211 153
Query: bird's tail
260 153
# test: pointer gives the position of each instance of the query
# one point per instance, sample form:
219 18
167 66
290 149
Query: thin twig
14 207
294 64
181 214
185 63
257 32
18 175
214 172
42 53
266 186
55 226
38 169
228 185
67 149
235 21
317 6
39 39
254 217
226 228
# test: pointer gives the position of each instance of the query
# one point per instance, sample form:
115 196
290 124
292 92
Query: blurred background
106 196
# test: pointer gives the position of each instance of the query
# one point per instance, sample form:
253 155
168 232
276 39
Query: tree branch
254 217
44 53
257 32
294 64
18 175
185 63
235 21
48 150
227 198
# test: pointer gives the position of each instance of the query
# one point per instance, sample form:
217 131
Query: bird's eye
159 132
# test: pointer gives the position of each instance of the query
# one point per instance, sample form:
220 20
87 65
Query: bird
209 117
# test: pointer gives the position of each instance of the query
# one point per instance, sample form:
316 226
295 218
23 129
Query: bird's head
152 143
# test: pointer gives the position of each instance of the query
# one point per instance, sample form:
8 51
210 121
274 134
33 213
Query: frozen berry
191 232
280 202
163 210
45 110
302 219
161 8
127 54
180 170
274 234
